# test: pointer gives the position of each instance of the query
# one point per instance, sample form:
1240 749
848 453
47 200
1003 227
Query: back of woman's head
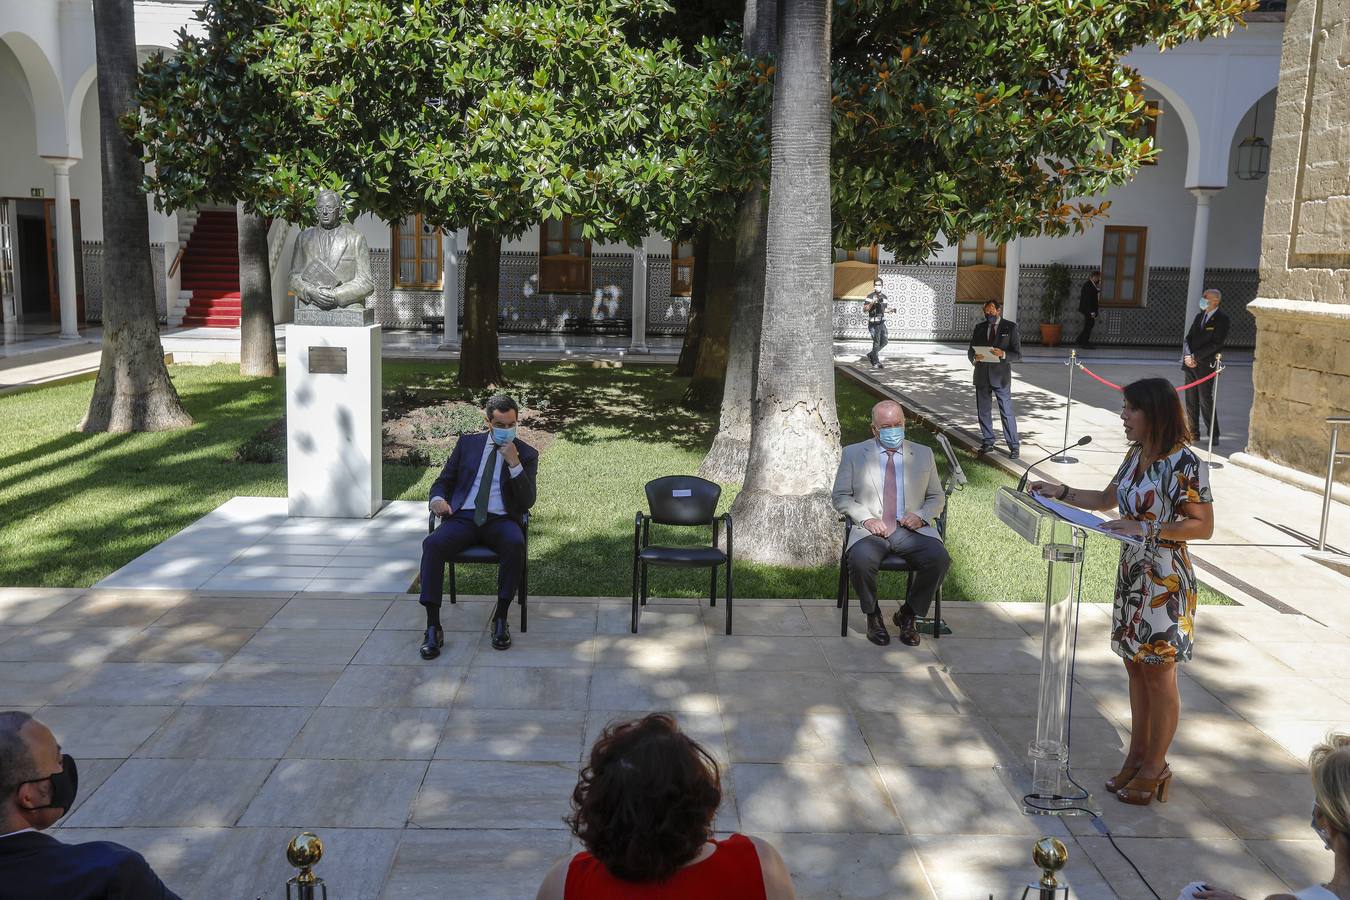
645 802
1329 765
1161 406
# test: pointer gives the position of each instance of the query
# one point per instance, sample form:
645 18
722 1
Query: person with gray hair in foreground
37 787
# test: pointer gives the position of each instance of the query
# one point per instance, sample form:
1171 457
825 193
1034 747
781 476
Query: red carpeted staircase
211 272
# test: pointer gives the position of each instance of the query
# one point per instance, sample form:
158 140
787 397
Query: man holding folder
994 347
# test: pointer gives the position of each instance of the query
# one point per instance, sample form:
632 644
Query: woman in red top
644 809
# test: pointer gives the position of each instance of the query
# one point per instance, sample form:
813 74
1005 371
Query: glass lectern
1063 544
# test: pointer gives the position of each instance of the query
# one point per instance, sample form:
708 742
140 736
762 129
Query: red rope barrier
1117 387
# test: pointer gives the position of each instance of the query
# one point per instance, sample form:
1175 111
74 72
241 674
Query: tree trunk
710 368
480 364
698 294
730 449
257 332
133 391
783 514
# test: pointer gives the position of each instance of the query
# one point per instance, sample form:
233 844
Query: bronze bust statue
330 269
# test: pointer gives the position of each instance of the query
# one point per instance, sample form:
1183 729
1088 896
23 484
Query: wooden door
53 262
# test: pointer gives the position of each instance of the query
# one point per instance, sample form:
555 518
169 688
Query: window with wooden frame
979 270
417 255
1124 273
681 269
564 257
854 271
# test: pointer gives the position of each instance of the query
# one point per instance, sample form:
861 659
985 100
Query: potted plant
1052 303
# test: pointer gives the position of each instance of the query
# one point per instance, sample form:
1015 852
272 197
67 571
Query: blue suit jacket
1006 338
35 866
457 477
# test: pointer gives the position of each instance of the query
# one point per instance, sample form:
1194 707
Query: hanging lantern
1253 154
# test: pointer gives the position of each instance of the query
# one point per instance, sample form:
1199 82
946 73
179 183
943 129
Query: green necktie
480 500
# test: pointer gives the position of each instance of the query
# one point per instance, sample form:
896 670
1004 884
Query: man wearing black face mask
39 784
994 347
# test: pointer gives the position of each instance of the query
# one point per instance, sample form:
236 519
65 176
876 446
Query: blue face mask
1321 832
892 438
503 435
991 319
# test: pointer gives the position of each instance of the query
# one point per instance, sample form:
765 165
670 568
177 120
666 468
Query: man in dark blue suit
39 786
994 347
481 496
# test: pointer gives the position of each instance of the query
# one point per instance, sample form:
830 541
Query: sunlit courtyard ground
210 728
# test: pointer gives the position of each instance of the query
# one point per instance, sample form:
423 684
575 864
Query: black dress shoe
984 448
501 635
908 625
876 630
435 640
1014 453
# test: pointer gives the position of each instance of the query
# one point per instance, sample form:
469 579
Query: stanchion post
1214 410
1064 458
1335 422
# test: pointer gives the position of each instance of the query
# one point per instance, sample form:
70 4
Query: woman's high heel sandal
1141 791
1121 778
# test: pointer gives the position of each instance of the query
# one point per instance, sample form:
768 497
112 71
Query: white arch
49 106
1176 106
75 110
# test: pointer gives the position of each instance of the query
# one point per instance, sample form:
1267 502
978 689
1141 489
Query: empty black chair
481 553
954 481
680 500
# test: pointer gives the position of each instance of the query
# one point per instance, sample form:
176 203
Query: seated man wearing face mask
890 488
482 496
38 785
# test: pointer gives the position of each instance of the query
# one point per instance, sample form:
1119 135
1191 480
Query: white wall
20 166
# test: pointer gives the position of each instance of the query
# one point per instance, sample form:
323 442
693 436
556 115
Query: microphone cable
1029 799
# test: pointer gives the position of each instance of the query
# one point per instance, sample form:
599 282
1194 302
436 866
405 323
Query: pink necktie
888 502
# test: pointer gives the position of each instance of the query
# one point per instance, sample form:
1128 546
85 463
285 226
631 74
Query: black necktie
992 326
480 500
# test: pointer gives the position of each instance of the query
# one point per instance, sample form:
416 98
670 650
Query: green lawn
75 507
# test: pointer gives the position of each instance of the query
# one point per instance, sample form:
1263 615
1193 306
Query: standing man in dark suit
481 496
995 339
1089 302
38 784
1204 341
874 307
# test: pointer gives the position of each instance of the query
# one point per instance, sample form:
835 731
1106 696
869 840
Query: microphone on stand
1085 439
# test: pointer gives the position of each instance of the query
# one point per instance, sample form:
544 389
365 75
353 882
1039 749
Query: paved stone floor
210 727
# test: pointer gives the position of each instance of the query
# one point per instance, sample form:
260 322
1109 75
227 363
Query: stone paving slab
901 782
248 545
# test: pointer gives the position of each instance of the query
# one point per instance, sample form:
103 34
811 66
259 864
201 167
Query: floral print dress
1154 618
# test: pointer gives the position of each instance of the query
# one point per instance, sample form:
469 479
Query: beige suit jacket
857 487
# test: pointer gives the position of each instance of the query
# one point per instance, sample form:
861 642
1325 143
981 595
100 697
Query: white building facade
1187 222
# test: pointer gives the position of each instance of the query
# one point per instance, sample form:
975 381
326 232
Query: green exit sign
35 192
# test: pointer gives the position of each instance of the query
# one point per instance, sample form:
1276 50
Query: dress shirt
495 505
899 475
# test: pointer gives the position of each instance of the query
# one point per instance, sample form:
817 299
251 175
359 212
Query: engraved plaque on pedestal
328 360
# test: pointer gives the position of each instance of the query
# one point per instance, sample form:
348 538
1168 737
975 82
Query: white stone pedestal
333 465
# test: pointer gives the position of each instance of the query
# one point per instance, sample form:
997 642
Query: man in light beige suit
890 488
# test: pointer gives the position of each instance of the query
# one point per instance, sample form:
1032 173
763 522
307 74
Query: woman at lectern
1161 491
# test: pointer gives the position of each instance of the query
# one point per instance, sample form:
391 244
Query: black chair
483 554
955 481
679 500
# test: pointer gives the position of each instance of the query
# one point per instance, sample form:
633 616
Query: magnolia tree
944 118
210 128
493 116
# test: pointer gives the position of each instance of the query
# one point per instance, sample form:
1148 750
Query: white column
65 247
1012 276
1195 284
639 344
450 289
